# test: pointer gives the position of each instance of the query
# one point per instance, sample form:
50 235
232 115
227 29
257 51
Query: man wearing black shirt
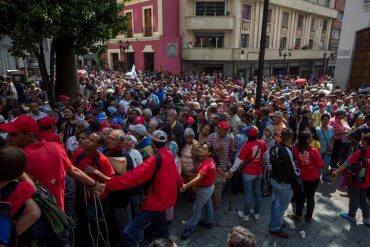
284 175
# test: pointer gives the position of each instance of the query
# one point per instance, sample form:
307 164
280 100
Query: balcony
367 5
209 22
245 54
307 7
207 54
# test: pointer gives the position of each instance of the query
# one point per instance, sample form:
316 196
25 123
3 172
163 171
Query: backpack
53 221
357 173
7 232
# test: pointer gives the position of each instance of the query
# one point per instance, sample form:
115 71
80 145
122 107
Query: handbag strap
327 144
254 156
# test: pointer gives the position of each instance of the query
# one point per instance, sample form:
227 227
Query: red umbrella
301 81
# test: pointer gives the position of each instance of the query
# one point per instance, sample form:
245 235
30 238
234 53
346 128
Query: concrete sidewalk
327 228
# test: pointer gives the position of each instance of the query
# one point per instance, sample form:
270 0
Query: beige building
224 35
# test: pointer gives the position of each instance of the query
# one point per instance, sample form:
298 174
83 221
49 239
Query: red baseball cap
139 120
223 125
252 132
47 122
190 120
322 104
20 124
63 98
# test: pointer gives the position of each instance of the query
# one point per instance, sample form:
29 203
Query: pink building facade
152 40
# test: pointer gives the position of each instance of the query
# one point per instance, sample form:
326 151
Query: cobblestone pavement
327 228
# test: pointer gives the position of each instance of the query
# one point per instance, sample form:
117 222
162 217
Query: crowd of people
116 160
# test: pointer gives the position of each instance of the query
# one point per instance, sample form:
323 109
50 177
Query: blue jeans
203 202
156 220
326 158
281 196
252 187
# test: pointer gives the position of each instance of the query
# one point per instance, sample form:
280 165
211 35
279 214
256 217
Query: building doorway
294 70
130 56
115 61
360 69
149 61
214 68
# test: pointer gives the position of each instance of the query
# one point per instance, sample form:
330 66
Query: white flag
133 72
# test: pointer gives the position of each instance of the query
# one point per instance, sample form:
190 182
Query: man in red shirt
47 162
357 192
162 192
89 160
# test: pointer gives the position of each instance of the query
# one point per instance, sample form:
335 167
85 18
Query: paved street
327 229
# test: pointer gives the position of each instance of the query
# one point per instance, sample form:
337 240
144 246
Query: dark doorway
212 68
130 56
294 70
149 61
115 61
360 71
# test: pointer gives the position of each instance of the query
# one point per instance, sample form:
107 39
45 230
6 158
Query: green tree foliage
72 26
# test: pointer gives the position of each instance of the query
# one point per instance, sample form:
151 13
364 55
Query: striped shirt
227 144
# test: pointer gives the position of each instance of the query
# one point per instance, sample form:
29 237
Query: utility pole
261 59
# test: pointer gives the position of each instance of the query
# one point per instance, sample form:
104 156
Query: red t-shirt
49 136
249 151
20 195
48 163
103 165
166 183
208 169
309 162
353 159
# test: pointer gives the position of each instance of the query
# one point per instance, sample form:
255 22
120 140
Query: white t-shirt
136 157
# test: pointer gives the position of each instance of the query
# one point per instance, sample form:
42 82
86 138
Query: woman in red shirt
250 157
205 179
357 192
309 161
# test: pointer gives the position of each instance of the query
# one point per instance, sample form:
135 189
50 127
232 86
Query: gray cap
139 129
189 132
159 136
278 114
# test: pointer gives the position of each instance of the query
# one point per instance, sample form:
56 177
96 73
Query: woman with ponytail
309 162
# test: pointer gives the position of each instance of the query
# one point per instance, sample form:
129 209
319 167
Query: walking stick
229 194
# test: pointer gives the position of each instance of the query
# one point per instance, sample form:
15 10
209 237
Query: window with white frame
247 12
282 42
244 40
300 21
215 8
313 24
324 26
285 20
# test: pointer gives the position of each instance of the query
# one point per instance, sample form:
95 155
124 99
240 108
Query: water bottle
362 172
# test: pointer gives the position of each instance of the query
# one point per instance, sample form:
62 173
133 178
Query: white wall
355 18
7 61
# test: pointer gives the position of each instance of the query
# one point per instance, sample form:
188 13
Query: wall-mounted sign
171 49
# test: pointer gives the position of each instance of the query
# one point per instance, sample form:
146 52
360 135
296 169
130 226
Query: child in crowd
17 190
